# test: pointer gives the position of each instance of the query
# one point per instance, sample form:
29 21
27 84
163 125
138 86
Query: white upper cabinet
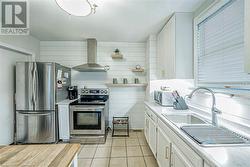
247 36
175 48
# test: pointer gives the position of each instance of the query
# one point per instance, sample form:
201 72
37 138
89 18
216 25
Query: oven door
87 120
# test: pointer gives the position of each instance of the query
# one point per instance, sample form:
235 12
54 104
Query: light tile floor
130 151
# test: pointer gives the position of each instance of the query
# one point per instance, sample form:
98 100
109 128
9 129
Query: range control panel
94 91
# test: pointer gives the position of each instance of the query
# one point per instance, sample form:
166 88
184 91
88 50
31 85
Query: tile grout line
142 152
93 157
126 152
110 152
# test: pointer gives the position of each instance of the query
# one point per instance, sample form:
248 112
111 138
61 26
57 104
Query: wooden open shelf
137 70
117 56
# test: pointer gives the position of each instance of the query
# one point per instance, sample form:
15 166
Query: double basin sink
204 133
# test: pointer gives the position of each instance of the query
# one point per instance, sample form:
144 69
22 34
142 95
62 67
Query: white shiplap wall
235 109
123 101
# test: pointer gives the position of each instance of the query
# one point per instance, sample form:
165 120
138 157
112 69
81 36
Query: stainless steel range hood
91 65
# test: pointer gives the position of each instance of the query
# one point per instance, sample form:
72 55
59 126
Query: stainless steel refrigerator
39 86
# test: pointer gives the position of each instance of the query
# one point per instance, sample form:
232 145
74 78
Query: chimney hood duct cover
91 65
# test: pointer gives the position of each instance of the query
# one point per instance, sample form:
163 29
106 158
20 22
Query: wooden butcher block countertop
54 155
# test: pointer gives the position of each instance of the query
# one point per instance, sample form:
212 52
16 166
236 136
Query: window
220 47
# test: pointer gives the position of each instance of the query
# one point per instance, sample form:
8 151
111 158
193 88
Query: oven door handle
88 109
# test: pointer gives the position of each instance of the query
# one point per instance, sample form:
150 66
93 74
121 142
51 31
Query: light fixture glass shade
77 7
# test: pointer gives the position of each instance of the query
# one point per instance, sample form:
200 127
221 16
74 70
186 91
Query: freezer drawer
36 127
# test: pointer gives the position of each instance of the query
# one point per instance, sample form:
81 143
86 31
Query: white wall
26 42
7 64
123 101
234 108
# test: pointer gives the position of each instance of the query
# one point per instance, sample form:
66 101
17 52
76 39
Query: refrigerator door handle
34 86
35 82
30 88
34 113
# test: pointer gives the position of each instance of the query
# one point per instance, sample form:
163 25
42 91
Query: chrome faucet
214 110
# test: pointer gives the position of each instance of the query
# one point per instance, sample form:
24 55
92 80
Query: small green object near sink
184 119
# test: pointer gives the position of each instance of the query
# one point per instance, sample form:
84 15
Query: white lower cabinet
163 149
168 149
63 115
146 127
152 136
178 159
206 165
150 132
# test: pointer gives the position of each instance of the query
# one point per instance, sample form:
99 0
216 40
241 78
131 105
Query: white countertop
230 156
65 102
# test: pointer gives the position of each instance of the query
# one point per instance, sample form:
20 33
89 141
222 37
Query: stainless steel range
89 116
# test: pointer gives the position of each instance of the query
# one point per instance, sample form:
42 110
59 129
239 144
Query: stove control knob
105 92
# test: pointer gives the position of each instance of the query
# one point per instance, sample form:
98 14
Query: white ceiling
115 20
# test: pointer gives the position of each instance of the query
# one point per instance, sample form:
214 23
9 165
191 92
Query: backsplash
123 101
236 109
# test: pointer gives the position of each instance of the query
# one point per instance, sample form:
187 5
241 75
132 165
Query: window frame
235 88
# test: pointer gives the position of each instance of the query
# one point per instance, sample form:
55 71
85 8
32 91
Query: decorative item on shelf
117 54
115 81
125 81
137 81
138 68
127 85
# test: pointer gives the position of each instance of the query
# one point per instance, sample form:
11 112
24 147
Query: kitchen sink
209 135
184 119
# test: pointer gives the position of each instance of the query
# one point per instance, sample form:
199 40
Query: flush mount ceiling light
77 7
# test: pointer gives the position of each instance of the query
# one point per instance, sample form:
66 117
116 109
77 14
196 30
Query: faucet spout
214 110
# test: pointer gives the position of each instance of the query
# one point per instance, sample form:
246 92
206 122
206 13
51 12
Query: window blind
220 46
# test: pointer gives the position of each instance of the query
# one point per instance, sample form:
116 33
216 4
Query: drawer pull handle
166 152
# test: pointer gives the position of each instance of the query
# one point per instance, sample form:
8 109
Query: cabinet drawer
151 114
192 156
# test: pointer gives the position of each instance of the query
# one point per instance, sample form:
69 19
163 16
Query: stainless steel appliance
39 86
72 92
164 98
89 116
91 65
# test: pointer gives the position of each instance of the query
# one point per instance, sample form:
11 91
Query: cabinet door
247 36
146 127
206 165
63 114
152 136
166 50
170 49
161 53
163 149
178 159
